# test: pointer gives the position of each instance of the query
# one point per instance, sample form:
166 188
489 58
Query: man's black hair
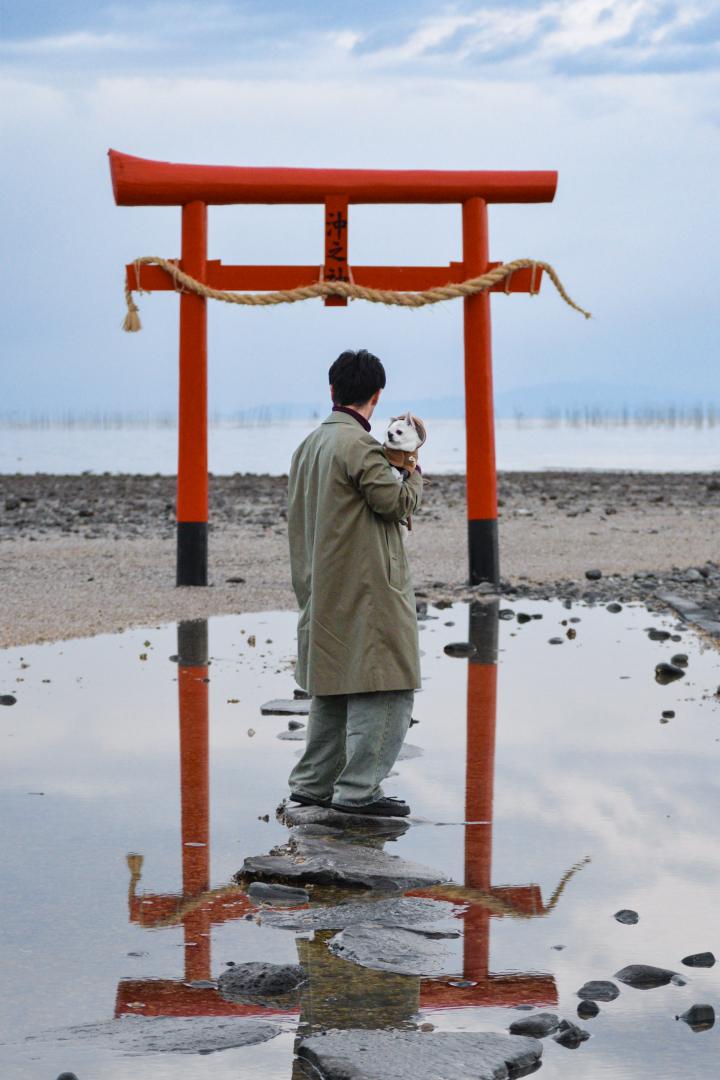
355 377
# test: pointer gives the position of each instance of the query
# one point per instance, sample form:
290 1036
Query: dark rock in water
699 1017
537 615
680 659
301 695
271 893
536 1026
404 1055
67 1076
700 959
593 575
570 1035
340 823
586 1010
523 617
668 714
614 608
598 990
257 981
295 725
406 912
329 861
423 952
626 915
667 673
283 707
658 635
235 580
460 649
7 699
644 976
506 613
555 641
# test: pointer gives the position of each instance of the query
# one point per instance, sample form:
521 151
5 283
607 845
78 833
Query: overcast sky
620 96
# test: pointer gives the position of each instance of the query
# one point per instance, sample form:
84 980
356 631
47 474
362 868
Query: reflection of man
358 650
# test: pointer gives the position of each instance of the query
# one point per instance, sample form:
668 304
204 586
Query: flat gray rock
598 990
537 1026
286 707
425 952
407 911
261 892
167 1035
316 860
340 822
291 736
645 977
257 981
409 1055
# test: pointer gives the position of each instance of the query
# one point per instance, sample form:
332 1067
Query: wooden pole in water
479 422
192 482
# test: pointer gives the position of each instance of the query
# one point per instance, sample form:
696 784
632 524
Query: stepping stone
699 1017
410 912
398 949
166 1035
340 822
536 1026
645 977
598 990
701 959
407 1055
260 982
286 707
315 860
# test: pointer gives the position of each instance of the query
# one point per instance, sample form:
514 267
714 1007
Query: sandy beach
82 555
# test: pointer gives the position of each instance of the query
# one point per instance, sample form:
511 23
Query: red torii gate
140 182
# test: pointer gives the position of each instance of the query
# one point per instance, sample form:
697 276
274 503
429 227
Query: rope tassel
348 290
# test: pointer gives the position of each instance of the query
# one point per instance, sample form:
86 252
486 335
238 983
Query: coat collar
351 418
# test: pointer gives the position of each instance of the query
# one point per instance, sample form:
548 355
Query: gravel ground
88 554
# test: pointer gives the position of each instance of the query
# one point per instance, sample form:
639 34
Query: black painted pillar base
192 548
192 643
483 551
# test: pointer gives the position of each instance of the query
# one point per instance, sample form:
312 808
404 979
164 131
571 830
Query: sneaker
388 806
308 800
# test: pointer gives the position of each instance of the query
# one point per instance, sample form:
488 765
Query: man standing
358 653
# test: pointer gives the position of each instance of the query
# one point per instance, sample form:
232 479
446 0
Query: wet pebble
586 1010
460 649
668 714
257 981
537 1026
644 976
626 915
593 575
67 1076
699 1017
7 699
667 673
555 641
523 617
701 959
506 613
570 1035
598 990
680 659
658 635
295 725
614 608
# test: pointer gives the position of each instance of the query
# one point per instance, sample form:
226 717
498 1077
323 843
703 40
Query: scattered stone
282 707
593 575
8 699
523 617
235 580
460 649
167 1035
301 695
555 641
291 735
699 1017
644 976
598 990
432 1055
586 1010
506 613
700 959
558 948
397 949
537 1026
626 915
260 982
614 608
667 673
658 635
329 861
570 1035
269 893
668 714
67 1076
680 659
295 725
571 633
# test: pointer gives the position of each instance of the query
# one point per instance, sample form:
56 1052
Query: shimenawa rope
349 290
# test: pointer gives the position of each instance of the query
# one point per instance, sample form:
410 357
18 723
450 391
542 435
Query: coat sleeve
370 471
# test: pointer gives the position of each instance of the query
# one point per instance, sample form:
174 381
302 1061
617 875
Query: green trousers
353 741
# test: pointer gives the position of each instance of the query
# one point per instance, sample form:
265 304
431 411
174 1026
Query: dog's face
402 434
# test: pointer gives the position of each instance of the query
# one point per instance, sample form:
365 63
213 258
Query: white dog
403 438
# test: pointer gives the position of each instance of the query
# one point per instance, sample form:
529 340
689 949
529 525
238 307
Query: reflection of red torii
139 182
198 908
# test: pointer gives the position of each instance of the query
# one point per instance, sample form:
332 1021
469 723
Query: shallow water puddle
118 862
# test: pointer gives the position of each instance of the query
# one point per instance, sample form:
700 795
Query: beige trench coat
357 627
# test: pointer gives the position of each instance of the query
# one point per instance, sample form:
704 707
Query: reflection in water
339 993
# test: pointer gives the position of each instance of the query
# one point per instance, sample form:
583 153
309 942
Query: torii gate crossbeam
140 182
